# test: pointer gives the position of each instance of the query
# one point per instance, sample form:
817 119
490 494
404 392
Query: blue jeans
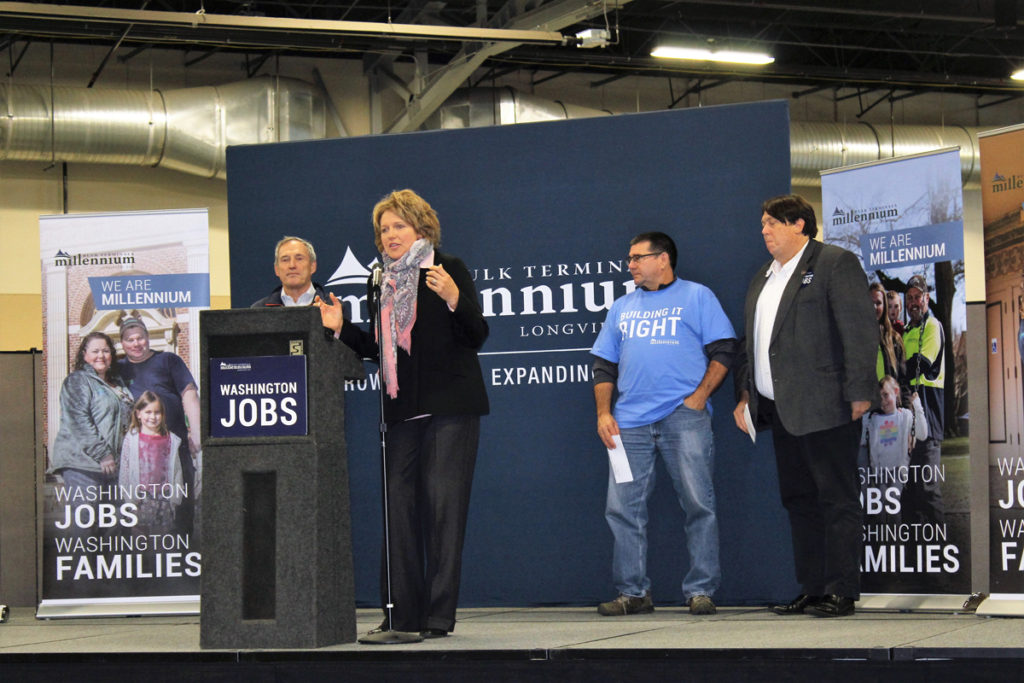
685 443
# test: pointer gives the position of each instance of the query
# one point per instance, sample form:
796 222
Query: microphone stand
388 636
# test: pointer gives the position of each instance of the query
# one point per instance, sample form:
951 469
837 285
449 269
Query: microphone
375 279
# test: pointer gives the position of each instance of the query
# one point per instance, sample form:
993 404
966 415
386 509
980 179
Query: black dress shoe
433 633
832 606
797 606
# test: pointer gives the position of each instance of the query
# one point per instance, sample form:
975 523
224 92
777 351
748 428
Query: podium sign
258 396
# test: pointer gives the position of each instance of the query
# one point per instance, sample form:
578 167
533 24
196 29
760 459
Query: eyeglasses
635 258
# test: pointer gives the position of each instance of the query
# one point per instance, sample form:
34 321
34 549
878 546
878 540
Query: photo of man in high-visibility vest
924 343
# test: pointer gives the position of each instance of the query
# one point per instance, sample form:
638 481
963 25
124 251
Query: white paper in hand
749 422
619 462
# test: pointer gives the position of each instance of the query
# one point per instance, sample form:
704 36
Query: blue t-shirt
658 339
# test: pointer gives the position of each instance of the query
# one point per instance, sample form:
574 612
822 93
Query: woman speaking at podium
431 329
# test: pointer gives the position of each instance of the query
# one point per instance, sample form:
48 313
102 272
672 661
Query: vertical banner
1002 197
904 218
121 496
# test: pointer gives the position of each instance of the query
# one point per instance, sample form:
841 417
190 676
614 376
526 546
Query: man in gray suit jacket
806 369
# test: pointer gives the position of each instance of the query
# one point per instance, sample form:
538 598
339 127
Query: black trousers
820 491
430 464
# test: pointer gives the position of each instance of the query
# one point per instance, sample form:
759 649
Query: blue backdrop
542 213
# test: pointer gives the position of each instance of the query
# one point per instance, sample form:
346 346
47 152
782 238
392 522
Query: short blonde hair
411 208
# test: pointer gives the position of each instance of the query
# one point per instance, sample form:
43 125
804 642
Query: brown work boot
702 604
626 604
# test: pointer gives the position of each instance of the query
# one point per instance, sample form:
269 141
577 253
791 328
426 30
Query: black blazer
442 374
824 343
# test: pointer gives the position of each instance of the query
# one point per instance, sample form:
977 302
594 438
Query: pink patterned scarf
398 291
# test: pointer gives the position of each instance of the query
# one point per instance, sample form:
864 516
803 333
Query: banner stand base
118 607
914 603
1003 605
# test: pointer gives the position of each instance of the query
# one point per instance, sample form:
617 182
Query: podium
274 518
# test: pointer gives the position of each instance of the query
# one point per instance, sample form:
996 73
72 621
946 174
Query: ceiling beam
550 16
778 73
253 26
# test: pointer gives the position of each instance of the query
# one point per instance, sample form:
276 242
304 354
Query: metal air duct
188 129
185 130
813 146
502 106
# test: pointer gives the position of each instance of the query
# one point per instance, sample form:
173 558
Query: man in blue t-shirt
666 347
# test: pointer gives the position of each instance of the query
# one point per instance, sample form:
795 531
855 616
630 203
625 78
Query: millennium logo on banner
1002 183
889 212
63 259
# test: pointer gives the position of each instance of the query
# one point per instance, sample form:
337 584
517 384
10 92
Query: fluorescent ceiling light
703 54
1018 75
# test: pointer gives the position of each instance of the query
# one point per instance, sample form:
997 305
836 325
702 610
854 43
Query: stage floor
576 644
545 629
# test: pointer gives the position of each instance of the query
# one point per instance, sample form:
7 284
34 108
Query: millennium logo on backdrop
542 310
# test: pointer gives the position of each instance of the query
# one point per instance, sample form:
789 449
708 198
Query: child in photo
890 433
888 436
150 467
